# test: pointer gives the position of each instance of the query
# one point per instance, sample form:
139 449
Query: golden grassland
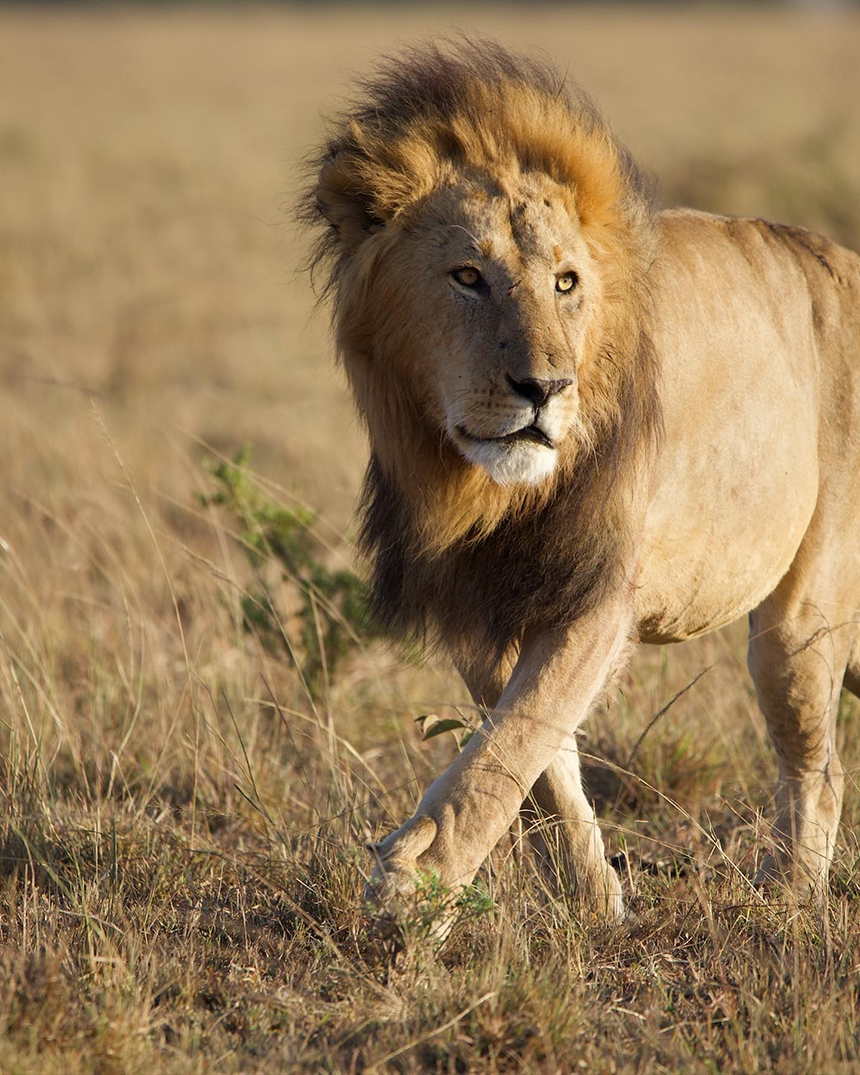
183 805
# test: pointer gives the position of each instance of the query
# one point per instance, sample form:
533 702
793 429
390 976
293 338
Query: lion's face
498 287
488 242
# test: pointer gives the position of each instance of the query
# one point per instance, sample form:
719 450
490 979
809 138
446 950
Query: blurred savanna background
198 729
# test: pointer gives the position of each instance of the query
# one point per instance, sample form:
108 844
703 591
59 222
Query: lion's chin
511 464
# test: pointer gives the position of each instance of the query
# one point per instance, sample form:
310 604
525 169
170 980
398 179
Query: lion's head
488 240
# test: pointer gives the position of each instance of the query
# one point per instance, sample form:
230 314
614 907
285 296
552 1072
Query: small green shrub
326 619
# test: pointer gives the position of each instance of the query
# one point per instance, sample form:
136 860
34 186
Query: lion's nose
537 391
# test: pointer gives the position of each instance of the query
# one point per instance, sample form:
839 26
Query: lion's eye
467 276
566 282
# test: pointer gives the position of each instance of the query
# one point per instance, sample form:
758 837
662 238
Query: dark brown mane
457 559
543 569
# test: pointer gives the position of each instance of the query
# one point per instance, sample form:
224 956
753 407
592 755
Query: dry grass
179 880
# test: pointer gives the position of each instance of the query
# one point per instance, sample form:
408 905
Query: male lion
592 422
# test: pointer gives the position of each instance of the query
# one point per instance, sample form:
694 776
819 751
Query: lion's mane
455 558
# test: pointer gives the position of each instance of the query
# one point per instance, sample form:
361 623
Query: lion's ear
343 197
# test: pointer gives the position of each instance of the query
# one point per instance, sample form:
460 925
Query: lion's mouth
533 434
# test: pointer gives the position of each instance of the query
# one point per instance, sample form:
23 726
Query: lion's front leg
566 837
471 805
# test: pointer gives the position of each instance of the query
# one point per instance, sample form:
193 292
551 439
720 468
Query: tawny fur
486 117
704 440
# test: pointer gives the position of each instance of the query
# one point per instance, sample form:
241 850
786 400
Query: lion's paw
396 876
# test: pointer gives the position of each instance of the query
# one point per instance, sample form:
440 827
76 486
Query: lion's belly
736 481
718 539
686 592
709 564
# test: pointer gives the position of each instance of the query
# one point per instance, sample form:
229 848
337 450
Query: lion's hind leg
798 653
852 672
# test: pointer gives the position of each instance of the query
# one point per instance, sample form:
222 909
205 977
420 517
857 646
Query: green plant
439 913
320 617
431 725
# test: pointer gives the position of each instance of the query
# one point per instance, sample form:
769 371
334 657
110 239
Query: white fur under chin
518 464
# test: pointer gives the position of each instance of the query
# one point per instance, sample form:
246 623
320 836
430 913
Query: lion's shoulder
824 263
